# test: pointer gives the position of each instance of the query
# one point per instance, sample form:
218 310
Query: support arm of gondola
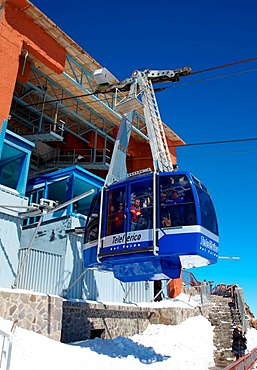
108 83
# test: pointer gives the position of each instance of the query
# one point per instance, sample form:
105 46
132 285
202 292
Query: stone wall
83 320
70 321
175 316
38 312
86 320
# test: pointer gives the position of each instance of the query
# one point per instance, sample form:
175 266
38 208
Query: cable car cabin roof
146 176
67 172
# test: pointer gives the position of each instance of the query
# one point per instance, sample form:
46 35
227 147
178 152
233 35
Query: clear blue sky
123 36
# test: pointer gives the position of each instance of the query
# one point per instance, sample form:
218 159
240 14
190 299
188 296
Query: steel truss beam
82 78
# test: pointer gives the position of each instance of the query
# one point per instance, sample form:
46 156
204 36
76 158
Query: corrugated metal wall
54 265
73 265
102 286
10 227
10 234
42 269
42 272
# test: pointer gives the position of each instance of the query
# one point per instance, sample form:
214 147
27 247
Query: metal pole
160 291
39 223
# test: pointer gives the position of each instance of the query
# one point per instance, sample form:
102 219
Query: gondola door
114 222
141 215
128 218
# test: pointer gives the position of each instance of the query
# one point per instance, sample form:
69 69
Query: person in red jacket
136 215
119 219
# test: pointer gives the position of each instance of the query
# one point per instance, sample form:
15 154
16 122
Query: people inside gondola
177 209
118 222
163 199
147 212
136 215
172 210
164 210
111 214
239 342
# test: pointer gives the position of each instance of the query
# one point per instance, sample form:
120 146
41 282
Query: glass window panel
82 206
208 216
116 211
141 205
57 191
177 207
92 226
10 173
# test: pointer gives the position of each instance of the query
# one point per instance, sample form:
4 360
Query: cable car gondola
150 225
175 227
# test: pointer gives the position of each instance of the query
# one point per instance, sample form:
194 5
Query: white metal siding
55 266
102 286
10 234
42 272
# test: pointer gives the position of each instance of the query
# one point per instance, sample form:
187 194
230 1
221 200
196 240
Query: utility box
104 78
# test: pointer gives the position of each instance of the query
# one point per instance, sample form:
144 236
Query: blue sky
123 36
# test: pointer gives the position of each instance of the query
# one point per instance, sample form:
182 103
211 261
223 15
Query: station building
56 142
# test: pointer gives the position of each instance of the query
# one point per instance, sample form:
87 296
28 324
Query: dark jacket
239 341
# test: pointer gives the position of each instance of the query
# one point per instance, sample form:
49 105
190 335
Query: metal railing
237 297
198 291
239 303
6 349
244 363
73 157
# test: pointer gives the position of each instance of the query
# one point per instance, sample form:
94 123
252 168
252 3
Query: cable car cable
204 80
204 154
208 143
224 65
216 142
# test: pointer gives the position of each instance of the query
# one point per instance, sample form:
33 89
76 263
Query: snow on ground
251 336
182 300
188 346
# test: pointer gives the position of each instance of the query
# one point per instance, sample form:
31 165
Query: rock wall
40 313
83 320
69 321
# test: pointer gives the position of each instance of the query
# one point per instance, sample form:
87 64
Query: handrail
244 363
6 349
189 279
237 297
239 302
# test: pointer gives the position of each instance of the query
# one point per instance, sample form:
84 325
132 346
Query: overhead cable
224 65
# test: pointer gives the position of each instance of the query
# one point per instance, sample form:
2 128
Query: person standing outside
239 342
